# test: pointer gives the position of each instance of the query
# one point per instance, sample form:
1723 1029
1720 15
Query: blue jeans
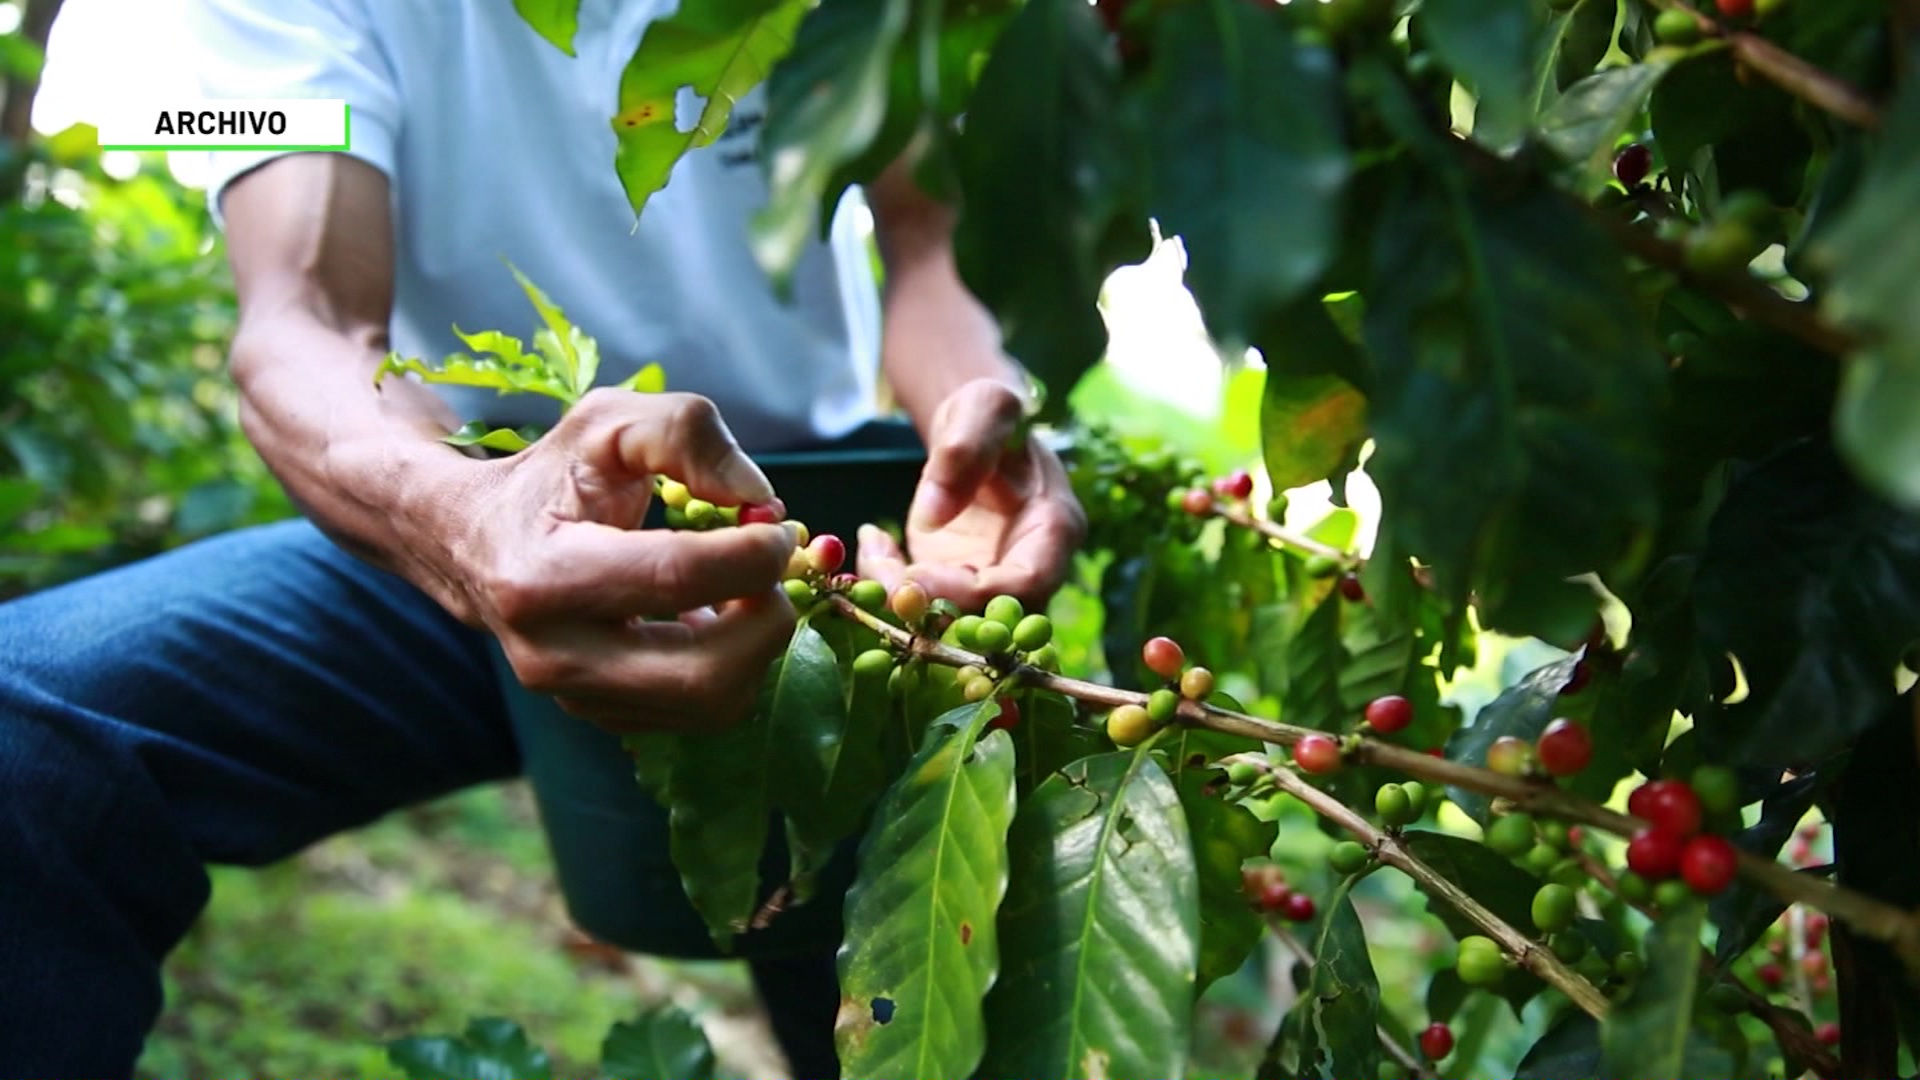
230 702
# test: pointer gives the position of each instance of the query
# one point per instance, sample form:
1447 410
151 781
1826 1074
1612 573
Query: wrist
426 495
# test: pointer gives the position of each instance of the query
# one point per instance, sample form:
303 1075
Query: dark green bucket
608 838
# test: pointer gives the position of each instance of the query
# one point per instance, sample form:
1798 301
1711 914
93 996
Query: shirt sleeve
295 49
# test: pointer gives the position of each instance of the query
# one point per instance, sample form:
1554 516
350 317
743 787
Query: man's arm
541 548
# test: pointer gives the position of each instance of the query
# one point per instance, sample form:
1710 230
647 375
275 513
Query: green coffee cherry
1594 968
978 689
1570 947
1032 632
1511 835
1634 889
1540 861
1322 566
1348 857
1480 962
1718 788
1675 27
1161 705
868 595
1628 966
992 637
965 631
1046 658
1416 797
1672 894
1553 908
1243 773
730 515
677 518
1277 508
1005 610
1393 806
1554 833
700 513
873 664
1568 872
799 593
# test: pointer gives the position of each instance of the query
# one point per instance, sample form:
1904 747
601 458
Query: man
237 700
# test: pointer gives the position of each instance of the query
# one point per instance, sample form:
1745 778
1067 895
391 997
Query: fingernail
744 478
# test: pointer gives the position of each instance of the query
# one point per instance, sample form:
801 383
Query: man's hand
994 512
631 629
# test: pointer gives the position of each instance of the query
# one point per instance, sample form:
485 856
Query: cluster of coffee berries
1545 849
1124 493
1563 749
1267 890
683 511
1234 488
1130 725
1673 845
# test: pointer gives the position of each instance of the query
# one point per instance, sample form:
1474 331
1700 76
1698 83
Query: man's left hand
994 512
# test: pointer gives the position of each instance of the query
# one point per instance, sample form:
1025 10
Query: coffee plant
1609 299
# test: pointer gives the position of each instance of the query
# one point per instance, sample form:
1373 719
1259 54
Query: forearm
365 464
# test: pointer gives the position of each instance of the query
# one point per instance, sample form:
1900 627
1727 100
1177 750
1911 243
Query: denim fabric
230 702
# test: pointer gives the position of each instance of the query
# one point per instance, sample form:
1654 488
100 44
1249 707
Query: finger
959 585
680 435
972 432
880 557
583 569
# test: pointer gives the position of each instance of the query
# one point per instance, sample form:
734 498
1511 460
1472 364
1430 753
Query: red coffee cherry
1317 754
1565 747
1389 714
1197 501
827 553
1771 975
1654 854
1828 1033
1436 1041
1351 588
1708 864
1298 908
1671 806
766 513
1238 484
1735 9
1632 164
1164 657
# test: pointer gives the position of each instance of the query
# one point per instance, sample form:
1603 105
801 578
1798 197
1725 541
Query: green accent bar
346 143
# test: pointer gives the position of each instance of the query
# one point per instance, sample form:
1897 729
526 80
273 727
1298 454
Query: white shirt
500 145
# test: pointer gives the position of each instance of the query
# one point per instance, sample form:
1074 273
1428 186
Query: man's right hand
543 548
630 628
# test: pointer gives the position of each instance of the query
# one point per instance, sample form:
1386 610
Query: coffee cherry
1321 566
826 553
1816 928
1032 632
1298 908
1242 773
1196 683
674 493
801 537
1046 658
1813 963
1771 975
1273 896
1238 484
1628 966
1676 27
910 603
1594 968
1735 9
1708 863
767 513
992 637
1672 894
700 513
1630 165
799 593
1161 705
1197 501
868 595
1565 747
1436 1041
1555 835
1005 610
1540 860
1351 588
1654 854
1671 806
964 675
1553 908
676 518
1511 836
1393 806
978 688
1828 1033
1164 657
1637 801
1348 857
1721 248
1317 754
873 664
1008 718
1718 788
1277 508
1568 872
1389 714
1480 962
1416 798
1128 725
1568 947
1510 756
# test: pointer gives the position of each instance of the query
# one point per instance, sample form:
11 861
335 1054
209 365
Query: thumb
970 434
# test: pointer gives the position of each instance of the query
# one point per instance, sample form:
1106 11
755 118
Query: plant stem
1406 1057
1279 533
1821 89
1874 918
1388 849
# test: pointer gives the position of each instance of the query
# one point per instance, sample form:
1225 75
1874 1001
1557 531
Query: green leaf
1585 125
1050 738
1516 406
17 496
477 433
1571 1047
1504 889
921 946
1814 585
1225 836
1034 242
490 1049
719 813
720 48
1522 710
1872 288
651 379
1308 427
808 711
1100 928
1744 912
501 347
1491 46
1647 1035
653 755
574 354
1340 1009
1257 201
486 374
665 1044
1702 104
1311 697
555 20
1574 43
824 108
